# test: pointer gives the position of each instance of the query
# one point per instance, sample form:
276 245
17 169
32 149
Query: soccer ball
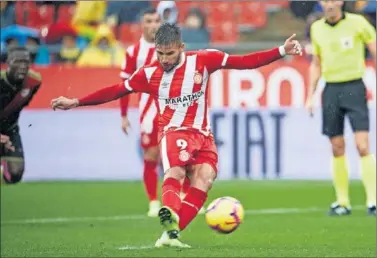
224 215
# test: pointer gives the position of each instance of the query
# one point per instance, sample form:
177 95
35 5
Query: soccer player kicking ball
137 55
178 81
18 86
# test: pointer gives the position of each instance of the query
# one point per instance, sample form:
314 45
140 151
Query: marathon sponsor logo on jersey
184 101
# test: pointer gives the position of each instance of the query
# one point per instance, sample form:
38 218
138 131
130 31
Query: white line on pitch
138 217
131 247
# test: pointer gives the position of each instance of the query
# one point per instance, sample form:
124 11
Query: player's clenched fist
292 46
64 103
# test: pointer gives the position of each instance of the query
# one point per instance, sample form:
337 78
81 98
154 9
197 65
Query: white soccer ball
224 215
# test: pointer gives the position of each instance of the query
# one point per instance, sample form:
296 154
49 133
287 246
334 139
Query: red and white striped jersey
138 55
181 95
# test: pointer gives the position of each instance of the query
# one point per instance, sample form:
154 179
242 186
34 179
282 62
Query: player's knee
14 172
151 154
203 178
205 183
363 148
13 179
338 146
177 173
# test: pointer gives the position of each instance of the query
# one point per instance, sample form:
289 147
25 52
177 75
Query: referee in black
339 41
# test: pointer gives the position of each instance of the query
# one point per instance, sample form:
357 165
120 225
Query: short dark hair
168 34
149 10
12 50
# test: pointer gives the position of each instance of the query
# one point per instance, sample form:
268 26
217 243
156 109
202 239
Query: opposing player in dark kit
18 86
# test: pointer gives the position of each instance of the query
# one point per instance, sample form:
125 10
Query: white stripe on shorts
164 154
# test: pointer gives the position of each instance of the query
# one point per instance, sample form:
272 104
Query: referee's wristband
282 51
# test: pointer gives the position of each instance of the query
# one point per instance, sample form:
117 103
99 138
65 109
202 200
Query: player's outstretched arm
138 82
101 96
258 59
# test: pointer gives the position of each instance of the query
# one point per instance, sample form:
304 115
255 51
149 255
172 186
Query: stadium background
259 120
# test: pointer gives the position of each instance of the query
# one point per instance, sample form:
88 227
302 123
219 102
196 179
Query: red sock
150 179
170 194
186 185
191 205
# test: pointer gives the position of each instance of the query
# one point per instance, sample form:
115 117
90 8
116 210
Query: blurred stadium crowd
96 33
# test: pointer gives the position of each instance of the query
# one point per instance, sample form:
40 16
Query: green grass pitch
81 219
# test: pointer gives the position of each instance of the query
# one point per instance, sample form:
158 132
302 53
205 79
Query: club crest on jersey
25 92
184 156
198 78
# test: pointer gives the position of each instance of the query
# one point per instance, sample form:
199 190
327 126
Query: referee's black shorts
344 99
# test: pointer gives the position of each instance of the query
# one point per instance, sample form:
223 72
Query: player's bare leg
12 169
340 178
150 177
171 201
202 177
368 170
